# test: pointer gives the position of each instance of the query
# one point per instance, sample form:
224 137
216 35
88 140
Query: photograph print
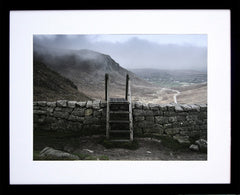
120 97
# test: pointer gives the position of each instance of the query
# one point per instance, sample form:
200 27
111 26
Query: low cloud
135 52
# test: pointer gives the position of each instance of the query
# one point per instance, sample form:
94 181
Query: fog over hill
87 70
160 73
163 51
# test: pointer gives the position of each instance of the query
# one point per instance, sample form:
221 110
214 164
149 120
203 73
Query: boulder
202 144
182 139
194 147
51 154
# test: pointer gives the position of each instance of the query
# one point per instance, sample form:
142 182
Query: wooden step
119 112
119 121
120 101
119 131
120 140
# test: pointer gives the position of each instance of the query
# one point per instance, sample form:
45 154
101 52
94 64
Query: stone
203 107
97 113
73 126
40 112
138 112
50 119
169 113
49 153
59 114
138 105
52 104
63 109
172 119
103 104
170 107
158 128
71 104
138 118
191 117
89 104
172 131
90 120
202 144
146 125
182 139
75 118
50 109
62 103
145 106
96 104
194 147
41 103
153 106
184 132
81 104
202 115
157 112
161 119
88 112
78 112
39 118
186 107
148 112
195 107
162 107
178 108
149 118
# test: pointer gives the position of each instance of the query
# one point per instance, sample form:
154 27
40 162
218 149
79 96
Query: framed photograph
120 97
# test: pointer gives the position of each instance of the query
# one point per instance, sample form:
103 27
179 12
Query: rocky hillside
87 70
51 86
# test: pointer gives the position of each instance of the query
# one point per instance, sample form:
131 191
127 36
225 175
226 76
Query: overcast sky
139 51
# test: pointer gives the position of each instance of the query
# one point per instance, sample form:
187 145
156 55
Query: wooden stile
119 107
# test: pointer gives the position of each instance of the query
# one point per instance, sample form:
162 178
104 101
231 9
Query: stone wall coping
136 105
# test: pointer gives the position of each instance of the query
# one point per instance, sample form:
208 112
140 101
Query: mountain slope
87 70
51 86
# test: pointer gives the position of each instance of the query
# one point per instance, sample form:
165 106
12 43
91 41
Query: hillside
51 86
87 70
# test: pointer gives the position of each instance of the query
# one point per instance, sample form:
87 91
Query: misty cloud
134 52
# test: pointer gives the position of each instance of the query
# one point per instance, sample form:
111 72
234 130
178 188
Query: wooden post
127 83
106 86
107 99
129 98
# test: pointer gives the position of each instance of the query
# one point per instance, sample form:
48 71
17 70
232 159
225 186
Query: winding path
175 95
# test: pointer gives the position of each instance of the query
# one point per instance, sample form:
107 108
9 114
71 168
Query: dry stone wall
180 121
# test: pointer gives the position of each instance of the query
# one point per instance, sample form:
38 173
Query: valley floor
196 94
